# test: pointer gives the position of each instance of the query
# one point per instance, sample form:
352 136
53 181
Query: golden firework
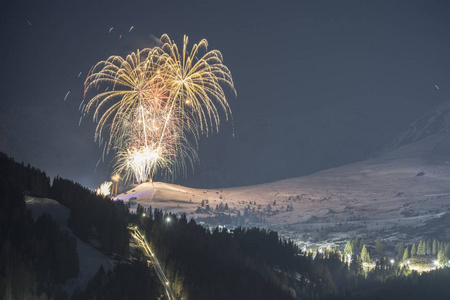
158 101
104 189
196 83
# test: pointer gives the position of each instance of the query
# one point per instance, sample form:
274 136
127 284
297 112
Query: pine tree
435 247
447 250
421 248
355 244
365 257
348 249
441 246
441 257
379 246
400 250
429 248
361 244
406 253
139 209
413 250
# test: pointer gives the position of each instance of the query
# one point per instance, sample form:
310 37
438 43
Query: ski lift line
142 242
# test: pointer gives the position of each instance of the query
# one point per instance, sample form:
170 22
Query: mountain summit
436 120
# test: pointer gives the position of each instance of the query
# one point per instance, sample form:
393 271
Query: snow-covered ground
90 259
401 195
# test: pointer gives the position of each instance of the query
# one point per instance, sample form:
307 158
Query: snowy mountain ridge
433 121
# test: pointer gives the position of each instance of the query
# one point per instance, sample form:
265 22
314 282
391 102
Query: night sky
319 83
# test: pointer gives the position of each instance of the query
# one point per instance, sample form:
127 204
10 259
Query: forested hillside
37 258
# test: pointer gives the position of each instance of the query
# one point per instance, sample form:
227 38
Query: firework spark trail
81 104
160 99
141 132
66 95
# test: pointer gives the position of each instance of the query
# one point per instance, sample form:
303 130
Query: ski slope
90 259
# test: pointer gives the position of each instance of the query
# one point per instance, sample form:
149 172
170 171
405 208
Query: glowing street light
115 178
168 219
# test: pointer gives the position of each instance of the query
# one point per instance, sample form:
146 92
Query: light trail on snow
142 242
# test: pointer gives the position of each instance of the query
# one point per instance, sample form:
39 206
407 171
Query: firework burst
155 141
195 83
159 102
104 189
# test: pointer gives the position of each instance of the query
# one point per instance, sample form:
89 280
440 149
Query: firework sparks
66 95
196 83
160 101
104 189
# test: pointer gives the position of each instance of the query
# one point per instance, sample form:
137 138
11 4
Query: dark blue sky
376 61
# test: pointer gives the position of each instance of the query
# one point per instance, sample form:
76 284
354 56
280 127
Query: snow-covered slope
434 121
90 259
402 195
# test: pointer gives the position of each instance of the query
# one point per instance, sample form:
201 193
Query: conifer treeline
204 264
425 247
93 218
252 263
34 256
24 178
